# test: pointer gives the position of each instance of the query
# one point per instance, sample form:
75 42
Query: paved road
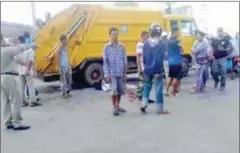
205 123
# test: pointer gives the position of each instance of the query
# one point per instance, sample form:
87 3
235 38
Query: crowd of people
18 65
156 45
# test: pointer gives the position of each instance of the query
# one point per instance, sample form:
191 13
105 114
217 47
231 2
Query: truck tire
93 73
185 67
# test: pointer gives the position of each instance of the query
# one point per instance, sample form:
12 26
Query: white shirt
139 51
25 57
8 63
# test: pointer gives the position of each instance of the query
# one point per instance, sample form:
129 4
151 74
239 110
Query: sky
219 14
225 14
22 10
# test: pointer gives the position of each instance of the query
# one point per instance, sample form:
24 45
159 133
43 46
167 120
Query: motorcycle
233 66
236 64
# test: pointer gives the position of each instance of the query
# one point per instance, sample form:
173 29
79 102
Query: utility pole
34 18
169 7
33 14
203 7
168 10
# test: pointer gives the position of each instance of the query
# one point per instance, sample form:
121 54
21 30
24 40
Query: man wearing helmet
153 57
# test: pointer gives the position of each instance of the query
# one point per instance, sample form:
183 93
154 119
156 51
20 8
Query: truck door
187 30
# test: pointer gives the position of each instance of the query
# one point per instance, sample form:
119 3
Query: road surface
205 123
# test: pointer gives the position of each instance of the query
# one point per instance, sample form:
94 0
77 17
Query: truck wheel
185 67
93 73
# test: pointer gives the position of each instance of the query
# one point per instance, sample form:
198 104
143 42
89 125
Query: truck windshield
194 27
188 27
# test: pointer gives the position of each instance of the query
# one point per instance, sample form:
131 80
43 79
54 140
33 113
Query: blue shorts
117 86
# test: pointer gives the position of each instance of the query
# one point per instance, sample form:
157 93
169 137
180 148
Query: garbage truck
86 28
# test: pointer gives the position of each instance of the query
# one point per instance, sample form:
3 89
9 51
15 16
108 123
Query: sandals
25 104
66 95
164 112
121 110
167 94
38 99
116 112
34 104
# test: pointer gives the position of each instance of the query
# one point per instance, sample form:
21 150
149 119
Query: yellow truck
86 27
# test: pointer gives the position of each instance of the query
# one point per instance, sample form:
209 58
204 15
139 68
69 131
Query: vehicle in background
86 27
236 65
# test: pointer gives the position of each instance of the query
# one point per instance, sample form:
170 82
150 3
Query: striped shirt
114 60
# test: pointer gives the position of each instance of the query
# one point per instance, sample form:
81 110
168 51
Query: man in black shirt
221 48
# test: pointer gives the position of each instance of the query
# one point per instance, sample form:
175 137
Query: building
9 29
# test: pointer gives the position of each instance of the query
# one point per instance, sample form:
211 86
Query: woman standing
201 51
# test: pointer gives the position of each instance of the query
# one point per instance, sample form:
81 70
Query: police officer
10 95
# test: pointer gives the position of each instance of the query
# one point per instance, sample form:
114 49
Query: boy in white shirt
26 72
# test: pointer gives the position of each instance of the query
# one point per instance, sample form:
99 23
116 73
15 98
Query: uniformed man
10 95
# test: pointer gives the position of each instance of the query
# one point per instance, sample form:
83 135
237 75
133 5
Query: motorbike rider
153 57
